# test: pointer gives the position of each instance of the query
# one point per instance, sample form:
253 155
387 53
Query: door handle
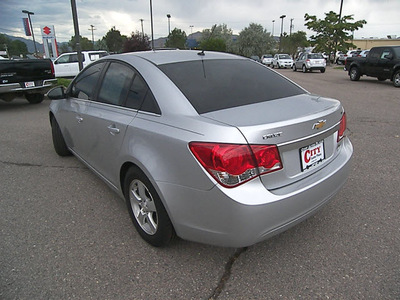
113 130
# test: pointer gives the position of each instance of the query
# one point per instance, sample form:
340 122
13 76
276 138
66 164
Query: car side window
140 97
84 84
63 59
384 53
115 86
374 54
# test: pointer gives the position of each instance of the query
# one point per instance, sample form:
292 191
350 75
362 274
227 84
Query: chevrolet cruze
211 147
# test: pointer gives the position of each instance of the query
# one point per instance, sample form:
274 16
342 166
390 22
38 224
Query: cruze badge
272 135
319 124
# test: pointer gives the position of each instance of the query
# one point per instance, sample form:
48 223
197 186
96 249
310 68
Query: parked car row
341 57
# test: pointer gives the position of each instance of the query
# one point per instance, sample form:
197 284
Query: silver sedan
211 147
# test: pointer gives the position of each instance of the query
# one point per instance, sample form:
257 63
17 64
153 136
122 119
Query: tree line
333 33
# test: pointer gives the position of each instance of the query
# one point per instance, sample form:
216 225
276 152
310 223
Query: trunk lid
296 125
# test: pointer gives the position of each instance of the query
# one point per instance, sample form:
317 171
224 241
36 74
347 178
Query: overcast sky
382 16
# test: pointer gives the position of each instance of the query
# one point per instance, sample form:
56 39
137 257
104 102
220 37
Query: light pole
77 35
191 29
29 13
169 24
141 21
280 39
273 23
92 28
151 21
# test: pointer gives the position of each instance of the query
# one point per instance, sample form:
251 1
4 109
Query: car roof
160 57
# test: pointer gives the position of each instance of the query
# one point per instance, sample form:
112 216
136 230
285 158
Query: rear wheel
396 79
322 70
58 139
354 74
34 98
146 209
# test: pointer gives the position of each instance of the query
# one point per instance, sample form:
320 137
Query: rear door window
115 86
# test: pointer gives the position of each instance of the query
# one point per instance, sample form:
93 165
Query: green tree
17 48
63 48
213 44
137 42
176 39
100 44
291 44
255 40
332 33
221 35
114 40
86 44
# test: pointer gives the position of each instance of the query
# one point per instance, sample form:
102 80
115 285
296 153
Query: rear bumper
17 88
249 214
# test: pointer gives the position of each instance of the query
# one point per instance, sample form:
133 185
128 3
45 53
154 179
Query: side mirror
57 93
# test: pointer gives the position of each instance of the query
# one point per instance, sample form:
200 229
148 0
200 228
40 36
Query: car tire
294 68
396 78
34 98
304 69
58 140
354 74
322 70
146 209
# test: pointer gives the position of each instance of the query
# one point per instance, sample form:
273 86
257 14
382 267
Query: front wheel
304 69
34 98
396 79
58 139
354 74
294 68
146 209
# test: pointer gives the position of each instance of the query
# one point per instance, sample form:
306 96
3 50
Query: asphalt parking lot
66 235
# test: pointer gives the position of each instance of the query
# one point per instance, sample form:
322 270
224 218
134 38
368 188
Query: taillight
342 127
234 164
52 69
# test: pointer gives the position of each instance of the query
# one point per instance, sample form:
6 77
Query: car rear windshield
315 56
212 85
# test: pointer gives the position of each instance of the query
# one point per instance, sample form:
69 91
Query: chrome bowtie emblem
319 124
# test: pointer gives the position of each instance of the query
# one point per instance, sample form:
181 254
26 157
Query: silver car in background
211 147
308 62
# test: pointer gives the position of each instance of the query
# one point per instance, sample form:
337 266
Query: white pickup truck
66 65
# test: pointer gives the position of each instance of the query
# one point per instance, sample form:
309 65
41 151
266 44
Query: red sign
47 30
27 28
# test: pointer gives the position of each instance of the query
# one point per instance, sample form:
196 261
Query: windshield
212 85
284 56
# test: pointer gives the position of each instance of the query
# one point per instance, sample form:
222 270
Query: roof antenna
212 32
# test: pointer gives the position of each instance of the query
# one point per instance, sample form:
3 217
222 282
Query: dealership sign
49 39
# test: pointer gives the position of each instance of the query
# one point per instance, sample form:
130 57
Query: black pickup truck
381 62
31 78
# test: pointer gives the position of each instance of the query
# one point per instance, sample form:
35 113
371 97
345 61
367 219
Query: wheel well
394 72
122 173
51 116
